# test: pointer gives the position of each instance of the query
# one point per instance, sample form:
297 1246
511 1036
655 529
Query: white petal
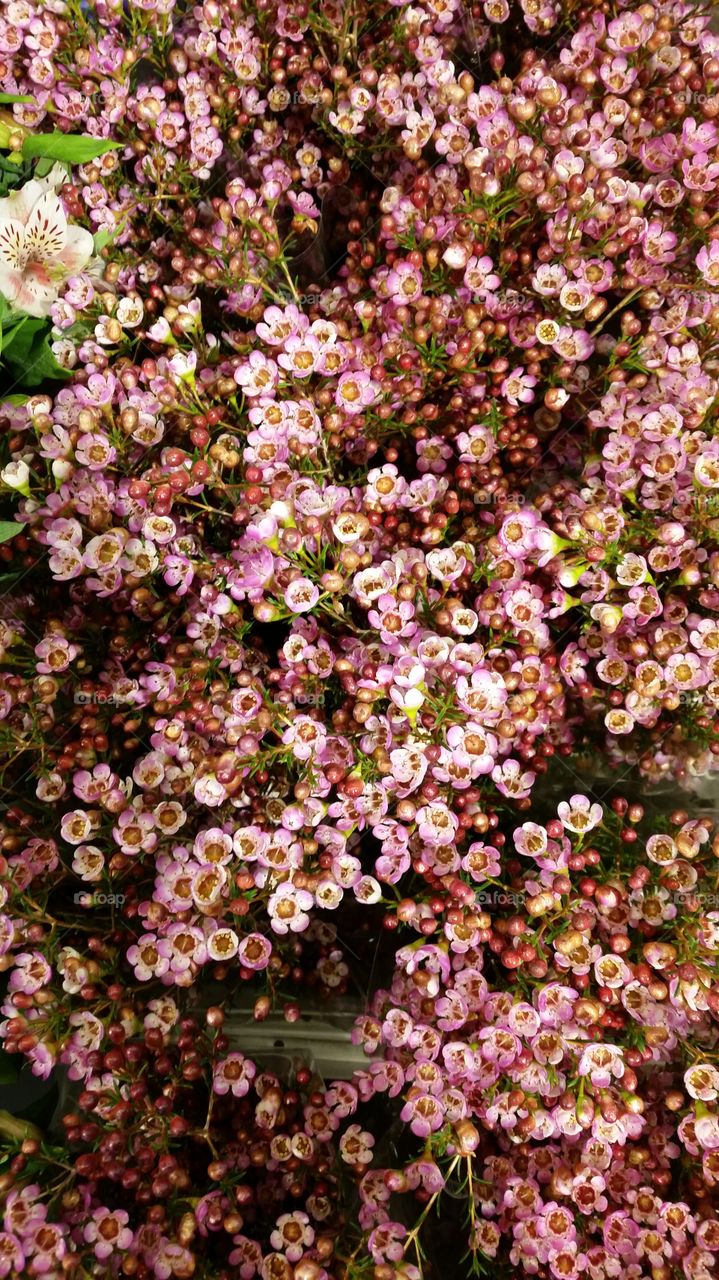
79 248
19 204
46 229
37 292
10 281
12 245
56 178
16 474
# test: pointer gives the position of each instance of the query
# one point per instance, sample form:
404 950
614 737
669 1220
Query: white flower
632 570
55 179
65 353
408 700
547 332
706 470
38 404
16 475
702 1082
62 469
129 312
608 616
456 256
160 331
580 814
559 398
182 366
38 249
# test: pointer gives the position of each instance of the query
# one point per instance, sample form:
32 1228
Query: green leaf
28 355
8 529
72 148
17 339
102 238
15 97
42 366
43 167
12 174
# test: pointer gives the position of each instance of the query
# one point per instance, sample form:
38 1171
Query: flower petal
19 204
78 249
10 281
56 178
37 291
46 229
13 255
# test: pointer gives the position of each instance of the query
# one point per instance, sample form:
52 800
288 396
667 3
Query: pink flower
423 1113
301 595
518 386
355 392
108 1231
234 1074
12 1258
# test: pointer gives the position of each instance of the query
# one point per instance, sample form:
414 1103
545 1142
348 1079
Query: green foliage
14 172
69 148
9 529
25 349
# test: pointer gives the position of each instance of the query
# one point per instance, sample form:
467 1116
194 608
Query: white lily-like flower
38 248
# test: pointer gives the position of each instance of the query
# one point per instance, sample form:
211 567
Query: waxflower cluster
360 556
563 1082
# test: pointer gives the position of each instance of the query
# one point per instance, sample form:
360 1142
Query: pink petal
10 281
37 291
